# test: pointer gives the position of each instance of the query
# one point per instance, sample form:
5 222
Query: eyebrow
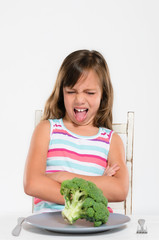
87 89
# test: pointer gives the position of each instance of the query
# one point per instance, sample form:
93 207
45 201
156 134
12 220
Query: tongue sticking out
80 115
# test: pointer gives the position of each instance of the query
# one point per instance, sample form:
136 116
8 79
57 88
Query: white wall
35 36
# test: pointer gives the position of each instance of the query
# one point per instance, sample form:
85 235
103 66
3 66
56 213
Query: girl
75 137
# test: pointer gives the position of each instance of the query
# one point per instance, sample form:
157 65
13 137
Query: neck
83 130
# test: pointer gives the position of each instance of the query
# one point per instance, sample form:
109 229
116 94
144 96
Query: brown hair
70 71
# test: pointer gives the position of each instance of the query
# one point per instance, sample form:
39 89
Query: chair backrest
125 130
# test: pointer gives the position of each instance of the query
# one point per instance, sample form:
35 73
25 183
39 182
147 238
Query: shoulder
116 140
117 150
41 135
42 129
47 126
44 124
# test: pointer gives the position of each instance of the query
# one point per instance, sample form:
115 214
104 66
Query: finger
115 166
107 168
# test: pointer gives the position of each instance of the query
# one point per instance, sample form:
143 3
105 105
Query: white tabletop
8 222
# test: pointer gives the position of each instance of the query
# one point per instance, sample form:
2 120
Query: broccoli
84 200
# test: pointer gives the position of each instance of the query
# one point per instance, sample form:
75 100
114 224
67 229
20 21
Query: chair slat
38 116
120 128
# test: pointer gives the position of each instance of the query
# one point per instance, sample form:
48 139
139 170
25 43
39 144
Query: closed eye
70 92
91 93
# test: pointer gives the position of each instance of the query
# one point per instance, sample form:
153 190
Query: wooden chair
124 130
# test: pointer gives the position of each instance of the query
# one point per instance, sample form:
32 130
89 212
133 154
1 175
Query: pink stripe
59 131
57 125
106 140
50 171
37 200
110 210
60 152
78 154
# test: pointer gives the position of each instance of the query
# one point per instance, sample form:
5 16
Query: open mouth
80 114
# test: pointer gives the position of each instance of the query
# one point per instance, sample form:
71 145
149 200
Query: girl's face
82 101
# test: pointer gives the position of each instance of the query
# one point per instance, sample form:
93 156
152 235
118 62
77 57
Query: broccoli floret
84 200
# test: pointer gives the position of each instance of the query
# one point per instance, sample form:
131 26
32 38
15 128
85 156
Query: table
9 220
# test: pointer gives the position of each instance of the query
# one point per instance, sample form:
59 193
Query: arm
115 187
36 181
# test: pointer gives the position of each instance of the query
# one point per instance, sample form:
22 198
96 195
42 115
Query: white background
35 37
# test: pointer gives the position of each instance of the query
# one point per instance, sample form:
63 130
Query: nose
80 99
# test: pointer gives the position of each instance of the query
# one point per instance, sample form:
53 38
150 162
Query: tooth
80 110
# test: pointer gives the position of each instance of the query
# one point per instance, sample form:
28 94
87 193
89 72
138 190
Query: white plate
54 221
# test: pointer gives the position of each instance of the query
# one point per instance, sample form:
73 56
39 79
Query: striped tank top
76 154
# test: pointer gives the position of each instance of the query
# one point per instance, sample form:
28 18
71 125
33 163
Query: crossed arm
114 181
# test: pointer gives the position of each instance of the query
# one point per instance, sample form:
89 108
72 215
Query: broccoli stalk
84 200
73 207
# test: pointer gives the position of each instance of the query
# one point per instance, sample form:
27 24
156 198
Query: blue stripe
52 206
54 121
75 166
81 147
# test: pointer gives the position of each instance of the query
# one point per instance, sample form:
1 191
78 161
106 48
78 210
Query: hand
110 171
